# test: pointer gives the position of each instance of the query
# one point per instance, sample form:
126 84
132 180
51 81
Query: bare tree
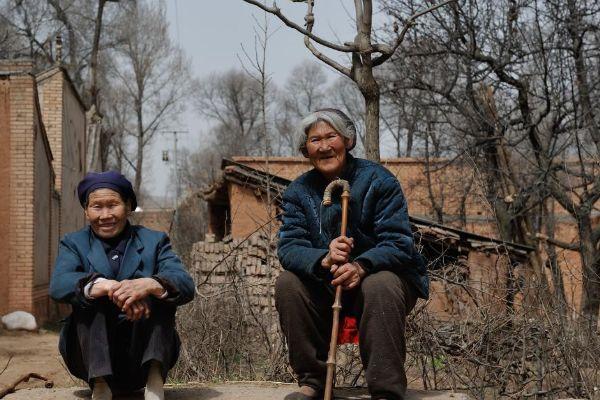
153 72
366 55
303 93
344 95
516 84
32 22
230 101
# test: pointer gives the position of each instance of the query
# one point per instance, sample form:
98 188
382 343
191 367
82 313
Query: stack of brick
248 266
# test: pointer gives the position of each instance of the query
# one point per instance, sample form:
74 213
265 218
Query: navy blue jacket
377 221
81 257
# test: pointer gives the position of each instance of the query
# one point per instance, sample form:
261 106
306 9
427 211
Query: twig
6 366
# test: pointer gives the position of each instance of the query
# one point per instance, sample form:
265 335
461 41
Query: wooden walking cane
337 304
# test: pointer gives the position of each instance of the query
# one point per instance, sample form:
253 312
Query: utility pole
175 164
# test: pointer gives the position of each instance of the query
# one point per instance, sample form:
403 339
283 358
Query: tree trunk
94 118
557 278
590 302
372 127
363 76
94 56
140 147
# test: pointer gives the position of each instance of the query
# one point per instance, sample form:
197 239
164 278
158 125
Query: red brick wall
26 186
5 159
21 242
249 211
27 181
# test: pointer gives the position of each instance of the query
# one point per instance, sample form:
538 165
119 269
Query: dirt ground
228 391
24 352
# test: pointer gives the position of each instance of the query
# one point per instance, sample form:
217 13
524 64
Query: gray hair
334 117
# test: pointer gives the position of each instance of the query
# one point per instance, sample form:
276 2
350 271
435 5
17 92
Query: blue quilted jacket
377 221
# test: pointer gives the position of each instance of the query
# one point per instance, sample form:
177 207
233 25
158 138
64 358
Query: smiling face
107 213
326 149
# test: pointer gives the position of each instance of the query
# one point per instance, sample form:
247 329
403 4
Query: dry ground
24 352
228 391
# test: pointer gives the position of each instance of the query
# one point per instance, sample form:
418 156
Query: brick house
42 126
237 208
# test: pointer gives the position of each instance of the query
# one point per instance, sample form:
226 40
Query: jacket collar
131 259
349 168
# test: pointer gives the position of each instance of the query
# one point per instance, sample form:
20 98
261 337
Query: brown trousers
381 305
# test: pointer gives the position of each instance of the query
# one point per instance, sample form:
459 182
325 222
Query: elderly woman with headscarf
124 283
376 264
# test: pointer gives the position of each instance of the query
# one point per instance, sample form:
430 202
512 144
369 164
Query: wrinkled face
107 213
326 150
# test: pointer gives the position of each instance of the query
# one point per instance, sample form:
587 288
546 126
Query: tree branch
386 50
567 246
310 20
338 67
277 12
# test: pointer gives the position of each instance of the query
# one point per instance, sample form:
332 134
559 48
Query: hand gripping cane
337 304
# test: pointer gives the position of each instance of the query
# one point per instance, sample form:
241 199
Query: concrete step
224 391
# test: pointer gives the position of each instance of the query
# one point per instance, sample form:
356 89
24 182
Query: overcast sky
212 33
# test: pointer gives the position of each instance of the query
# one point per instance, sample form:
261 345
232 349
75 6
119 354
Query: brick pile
248 265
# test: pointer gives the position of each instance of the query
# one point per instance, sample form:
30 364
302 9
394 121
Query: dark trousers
380 304
100 342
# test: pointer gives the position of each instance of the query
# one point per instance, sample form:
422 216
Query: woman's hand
339 252
138 310
128 292
347 275
102 288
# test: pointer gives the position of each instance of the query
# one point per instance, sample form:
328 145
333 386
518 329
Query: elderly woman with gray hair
376 264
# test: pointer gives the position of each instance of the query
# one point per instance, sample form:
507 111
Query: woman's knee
287 284
385 287
378 282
